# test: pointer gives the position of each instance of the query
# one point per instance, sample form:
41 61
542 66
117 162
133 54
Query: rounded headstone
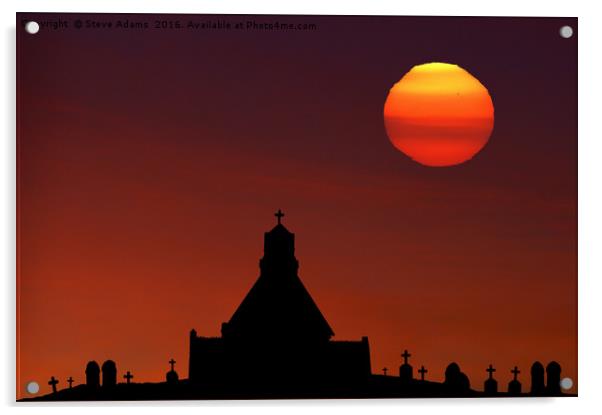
92 374
553 378
172 377
456 382
538 386
109 374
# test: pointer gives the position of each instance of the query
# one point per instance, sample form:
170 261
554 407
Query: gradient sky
150 162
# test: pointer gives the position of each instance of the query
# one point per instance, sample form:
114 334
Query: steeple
278 305
279 250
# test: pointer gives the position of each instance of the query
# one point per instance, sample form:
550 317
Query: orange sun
438 114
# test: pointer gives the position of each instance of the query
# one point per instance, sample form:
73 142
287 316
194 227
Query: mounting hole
566 383
32 27
32 388
566 31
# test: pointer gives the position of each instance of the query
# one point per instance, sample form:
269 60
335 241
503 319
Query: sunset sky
150 162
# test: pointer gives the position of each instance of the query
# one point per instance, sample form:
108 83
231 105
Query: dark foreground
377 386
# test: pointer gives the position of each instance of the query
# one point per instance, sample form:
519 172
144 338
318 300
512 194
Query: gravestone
538 387
52 382
422 371
490 383
92 374
128 377
109 374
514 387
553 378
406 372
172 376
456 383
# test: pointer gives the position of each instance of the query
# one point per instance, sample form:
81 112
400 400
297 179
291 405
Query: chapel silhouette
277 339
278 344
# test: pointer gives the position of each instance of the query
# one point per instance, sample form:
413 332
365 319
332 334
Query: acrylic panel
267 206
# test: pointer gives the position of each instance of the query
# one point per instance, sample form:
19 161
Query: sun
439 115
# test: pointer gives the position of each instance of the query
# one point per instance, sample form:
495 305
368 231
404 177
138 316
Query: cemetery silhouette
278 344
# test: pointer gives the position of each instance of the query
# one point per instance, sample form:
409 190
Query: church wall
207 359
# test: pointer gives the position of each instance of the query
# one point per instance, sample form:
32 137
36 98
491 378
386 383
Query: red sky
151 162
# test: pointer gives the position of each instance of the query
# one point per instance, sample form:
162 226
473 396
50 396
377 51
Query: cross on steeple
128 376
52 382
405 356
490 369
385 370
279 215
515 372
172 363
422 371
70 381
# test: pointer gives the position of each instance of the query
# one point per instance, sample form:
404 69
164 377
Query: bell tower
279 251
278 306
